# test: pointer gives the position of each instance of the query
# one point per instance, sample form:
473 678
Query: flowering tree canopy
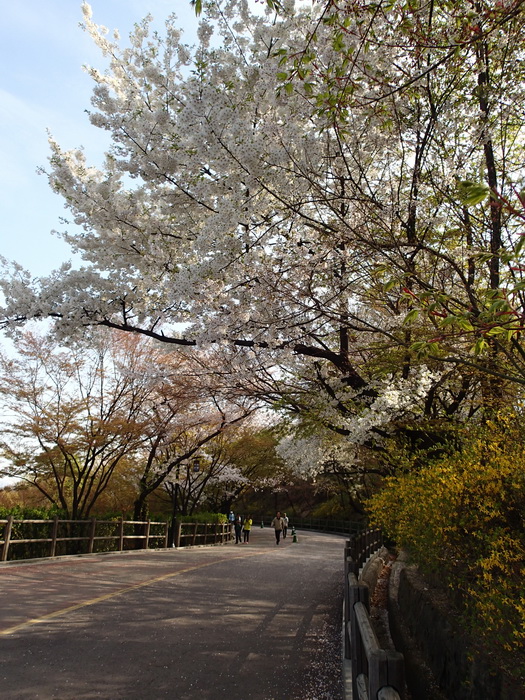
336 183
74 417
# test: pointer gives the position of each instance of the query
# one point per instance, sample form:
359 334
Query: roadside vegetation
461 518
302 284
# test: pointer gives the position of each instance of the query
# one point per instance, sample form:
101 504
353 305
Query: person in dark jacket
238 529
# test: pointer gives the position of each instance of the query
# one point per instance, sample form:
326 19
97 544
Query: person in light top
285 526
246 527
278 525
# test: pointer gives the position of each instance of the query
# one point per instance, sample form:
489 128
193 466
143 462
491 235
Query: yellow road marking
120 591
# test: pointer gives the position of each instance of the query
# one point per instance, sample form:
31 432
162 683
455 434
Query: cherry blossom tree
75 416
71 418
212 234
246 463
184 425
310 189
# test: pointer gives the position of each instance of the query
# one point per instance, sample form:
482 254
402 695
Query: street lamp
174 488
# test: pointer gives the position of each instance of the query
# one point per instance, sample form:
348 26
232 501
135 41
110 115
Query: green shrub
462 519
204 518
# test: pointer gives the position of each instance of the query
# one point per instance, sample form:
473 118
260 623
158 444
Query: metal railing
338 527
377 674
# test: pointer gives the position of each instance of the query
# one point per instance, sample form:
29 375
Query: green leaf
499 305
484 257
496 330
411 316
418 347
480 346
337 42
519 245
282 76
472 193
389 285
465 324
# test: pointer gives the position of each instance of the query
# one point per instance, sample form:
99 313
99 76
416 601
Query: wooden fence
377 674
190 534
29 539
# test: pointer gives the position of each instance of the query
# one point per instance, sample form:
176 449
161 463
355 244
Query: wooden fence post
346 650
389 693
121 535
7 537
350 568
377 673
92 531
357 593
166 534
385 669
194 537
176 539
352 546
54 535
370 536
147 531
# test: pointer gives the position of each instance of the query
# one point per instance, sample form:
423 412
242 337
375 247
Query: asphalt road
233 622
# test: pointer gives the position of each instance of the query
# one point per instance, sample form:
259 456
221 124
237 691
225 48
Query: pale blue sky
43 86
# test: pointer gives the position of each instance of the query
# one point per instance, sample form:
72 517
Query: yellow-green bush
462 518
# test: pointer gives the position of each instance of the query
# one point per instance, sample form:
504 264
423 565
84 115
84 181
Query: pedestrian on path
277 524
285 526
238 529
246 527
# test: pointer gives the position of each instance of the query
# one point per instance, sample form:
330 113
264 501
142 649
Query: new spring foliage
462 519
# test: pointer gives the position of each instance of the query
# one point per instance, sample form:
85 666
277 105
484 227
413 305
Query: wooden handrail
188 533
216 532
388 693
377 674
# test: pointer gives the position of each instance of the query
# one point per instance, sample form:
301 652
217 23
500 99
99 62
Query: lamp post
174 505
174 490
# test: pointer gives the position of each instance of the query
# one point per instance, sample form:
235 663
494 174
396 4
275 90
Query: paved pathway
234 622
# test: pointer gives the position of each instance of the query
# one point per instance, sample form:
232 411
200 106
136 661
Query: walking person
246 527
277 524
285 526
238 529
